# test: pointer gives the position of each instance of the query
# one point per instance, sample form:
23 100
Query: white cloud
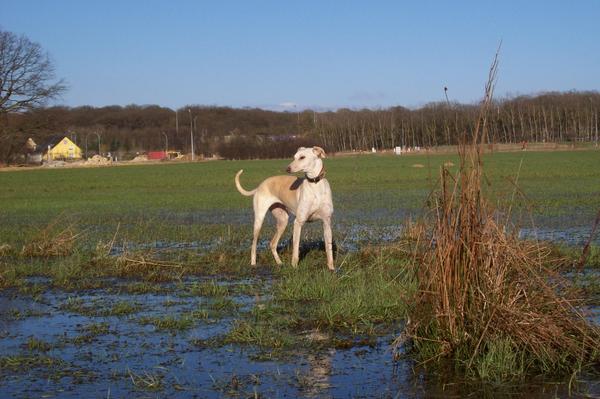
288 105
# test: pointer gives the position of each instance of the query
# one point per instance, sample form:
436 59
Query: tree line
27 82
256 133
548 117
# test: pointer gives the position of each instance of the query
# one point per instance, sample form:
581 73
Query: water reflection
317 380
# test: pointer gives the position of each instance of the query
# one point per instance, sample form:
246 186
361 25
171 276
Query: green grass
173 323
90 332
191 201
22 363
170 323
123 308
260 335
208 289
52 368
35 344
370 290
312 307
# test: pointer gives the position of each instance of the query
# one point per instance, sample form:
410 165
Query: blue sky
273 54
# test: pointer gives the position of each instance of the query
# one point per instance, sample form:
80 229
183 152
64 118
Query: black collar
317 179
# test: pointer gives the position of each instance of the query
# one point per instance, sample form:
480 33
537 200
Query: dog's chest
315 199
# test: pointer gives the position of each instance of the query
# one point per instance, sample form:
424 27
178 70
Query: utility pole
166 144
97 134
86 142
176 123
191 133
196 125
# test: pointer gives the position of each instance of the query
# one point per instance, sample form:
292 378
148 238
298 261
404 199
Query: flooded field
72 346
154 298
173 342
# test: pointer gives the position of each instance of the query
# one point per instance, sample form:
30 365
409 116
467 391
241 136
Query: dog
309 198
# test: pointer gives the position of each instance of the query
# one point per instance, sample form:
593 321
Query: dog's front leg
296 241
328 238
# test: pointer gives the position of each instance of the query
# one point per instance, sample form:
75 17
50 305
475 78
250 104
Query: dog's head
307 160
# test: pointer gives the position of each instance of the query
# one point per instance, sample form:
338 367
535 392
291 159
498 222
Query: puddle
127 357
575 236
126 351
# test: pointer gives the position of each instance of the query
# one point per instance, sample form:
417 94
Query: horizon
322 57
324 109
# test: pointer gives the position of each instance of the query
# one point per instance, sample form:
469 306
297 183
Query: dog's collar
317 179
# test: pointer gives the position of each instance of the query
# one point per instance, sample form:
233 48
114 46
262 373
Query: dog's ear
319 152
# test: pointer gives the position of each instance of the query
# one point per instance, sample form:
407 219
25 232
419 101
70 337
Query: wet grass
89 333
182 322
34 344
370 289
163 250
170 323
21 363
123 308
208 289
50 368
146 380
80 306
311 307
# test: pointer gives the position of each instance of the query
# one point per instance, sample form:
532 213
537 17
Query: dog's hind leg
281 218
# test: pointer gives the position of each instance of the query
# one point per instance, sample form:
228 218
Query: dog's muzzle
288 169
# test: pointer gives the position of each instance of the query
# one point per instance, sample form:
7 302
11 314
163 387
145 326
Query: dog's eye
302 157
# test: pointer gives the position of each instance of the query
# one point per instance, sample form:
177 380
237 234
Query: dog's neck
315 177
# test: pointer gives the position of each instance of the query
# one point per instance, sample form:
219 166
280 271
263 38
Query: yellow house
60 148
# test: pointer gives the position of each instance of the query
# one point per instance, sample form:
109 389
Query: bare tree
27 77
27 81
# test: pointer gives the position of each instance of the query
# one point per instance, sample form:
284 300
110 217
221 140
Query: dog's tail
239 186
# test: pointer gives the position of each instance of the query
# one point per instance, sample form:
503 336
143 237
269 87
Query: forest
246 133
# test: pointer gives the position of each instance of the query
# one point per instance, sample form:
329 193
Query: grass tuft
495 304
54 240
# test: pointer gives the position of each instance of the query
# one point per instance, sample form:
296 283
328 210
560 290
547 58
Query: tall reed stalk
493 303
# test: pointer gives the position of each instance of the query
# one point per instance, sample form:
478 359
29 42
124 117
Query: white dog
309 198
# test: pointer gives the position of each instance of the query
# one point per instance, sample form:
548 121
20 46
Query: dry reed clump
142 265
491 302
5 249
147 266
138 264
52 241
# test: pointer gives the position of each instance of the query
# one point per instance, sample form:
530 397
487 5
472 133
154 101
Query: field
135 278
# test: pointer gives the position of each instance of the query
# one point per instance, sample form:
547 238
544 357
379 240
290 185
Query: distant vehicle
174 155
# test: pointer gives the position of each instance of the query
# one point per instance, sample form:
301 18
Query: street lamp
166 144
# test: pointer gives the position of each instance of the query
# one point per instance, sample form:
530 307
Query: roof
49 141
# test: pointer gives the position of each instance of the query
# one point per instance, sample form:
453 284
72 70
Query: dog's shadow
306 247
